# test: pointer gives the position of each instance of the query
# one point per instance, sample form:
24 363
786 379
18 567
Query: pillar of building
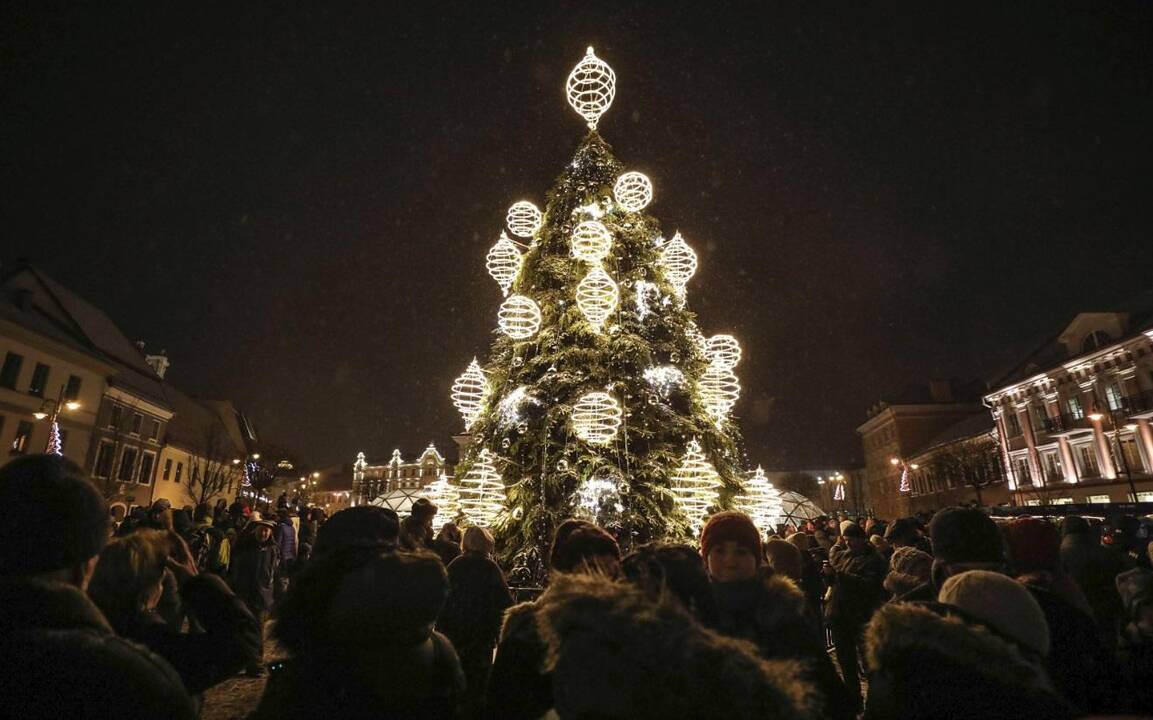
1145 437
1031 443
1068 464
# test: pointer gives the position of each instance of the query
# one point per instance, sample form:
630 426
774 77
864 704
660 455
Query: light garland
761 502
591 88
698 338
54 444
643 289
597 296
510 405
723 351
481 491
523 219
905 487
719 390
596 417
664 379
519 317
592 493
446 497
468 393
679 262
633 191
694 486
591 241
503 262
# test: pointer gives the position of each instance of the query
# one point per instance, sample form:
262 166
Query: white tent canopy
399 501
796 508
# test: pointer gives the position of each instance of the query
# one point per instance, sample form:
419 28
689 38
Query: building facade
370 481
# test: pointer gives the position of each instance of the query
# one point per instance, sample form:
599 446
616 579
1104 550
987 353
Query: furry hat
901 530
1003 604
908 568
731 525
576 541
965 535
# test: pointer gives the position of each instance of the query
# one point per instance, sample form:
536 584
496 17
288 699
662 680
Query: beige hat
1002 603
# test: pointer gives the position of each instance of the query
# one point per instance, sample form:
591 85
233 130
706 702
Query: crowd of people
380 617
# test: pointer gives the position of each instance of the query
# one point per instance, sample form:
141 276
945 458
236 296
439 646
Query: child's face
730 561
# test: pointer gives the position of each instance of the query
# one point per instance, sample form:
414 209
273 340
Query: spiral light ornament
694 486
597 296
519 317
596 418
761 502
719 390
591 87
723 351
468 393
633 191
482 494
503 262
523 219
591 241
446 497
679 261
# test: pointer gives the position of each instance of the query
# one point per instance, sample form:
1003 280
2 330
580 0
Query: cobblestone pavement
238 696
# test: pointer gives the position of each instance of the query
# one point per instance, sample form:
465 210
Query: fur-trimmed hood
614 653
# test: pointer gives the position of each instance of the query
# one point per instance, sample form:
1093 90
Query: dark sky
296 203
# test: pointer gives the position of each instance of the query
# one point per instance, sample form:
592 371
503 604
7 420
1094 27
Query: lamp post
50 408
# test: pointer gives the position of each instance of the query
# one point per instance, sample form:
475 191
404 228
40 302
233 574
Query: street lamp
51 408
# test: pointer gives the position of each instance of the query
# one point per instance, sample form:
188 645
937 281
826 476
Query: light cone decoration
468 393
591 87
597 296
519 317
679 262
523 219
591 241
839 492
482 494
633 191
596 417
503 262
446 497
54 447
694 486
723 351
905 480
719 390
761 502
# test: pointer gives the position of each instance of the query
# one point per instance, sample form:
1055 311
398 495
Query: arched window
1094 340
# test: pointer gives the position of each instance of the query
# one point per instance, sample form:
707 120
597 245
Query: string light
719 390
905 479
643 289
468 393
664 379
482 491
761 502
679 261
595 490
519 317
633 191
597 296
591 241
523 219
54 444
511 404
694 486
839 492
596 417
446 497
723 351
503 262
591 88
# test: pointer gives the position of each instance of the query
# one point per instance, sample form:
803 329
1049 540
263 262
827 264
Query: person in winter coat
929 661
962 539
766 608
613 651
126 587
62 658
909 568
671 571
355 530
358 629
285 535
416 529
477 598
1135 588
1094 568
519 686
447 544
856 573
253 576
812 582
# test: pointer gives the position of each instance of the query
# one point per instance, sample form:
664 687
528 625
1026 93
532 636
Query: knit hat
784 557
1001 603
801 541
908 568
731 525
1033 545
364 527
576 541
965 535
851 529
55 517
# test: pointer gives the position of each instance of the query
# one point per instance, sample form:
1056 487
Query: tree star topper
591 86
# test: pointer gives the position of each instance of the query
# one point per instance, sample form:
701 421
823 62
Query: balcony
1139 405
1066 424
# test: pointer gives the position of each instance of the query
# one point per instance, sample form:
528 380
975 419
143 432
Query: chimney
941 391
159 363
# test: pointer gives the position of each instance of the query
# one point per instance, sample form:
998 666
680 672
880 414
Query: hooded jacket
926 661
65 661
614 653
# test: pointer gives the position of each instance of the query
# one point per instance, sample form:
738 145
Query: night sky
296 203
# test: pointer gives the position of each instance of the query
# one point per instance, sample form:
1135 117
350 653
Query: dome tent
796 508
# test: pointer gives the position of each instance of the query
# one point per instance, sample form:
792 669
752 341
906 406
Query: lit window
1063 501
1089 466
1113 397
1099 499
22 439
1075 409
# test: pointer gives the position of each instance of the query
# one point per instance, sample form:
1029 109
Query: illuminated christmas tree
600 382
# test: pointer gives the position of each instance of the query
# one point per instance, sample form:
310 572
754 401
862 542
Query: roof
200 429
968 427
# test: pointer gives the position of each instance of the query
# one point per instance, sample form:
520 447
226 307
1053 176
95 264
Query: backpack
205 546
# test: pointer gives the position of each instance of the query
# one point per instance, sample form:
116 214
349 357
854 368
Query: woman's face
263 533
730 561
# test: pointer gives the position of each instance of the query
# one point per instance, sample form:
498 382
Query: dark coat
858 586
1094 568
64 661
770 612
927 663
518 687
477 598
253 572
230 640
286 540
446 550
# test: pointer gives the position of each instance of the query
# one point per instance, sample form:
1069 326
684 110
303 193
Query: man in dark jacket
64 659
1094 568
857 573
285 534
416 529
253 574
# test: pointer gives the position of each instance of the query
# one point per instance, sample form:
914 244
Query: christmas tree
600 397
